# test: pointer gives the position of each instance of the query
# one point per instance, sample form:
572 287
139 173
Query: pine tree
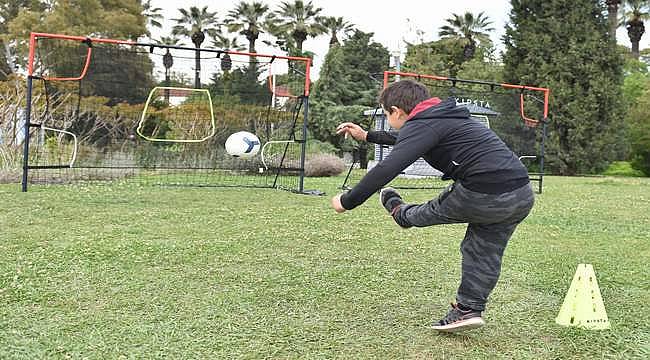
345 87
564 45
362 58
334 84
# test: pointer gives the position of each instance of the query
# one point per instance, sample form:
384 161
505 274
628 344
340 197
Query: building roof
283 91
479 110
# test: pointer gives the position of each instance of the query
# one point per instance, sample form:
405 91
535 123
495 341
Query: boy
490 192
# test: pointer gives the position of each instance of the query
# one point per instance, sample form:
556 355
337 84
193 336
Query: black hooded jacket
445 136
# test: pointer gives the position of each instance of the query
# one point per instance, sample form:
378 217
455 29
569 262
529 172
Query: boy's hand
336 204
348 128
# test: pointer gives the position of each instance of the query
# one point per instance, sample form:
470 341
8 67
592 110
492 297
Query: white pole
272 85
398 65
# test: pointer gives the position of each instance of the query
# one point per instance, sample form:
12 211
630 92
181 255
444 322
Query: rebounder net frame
518 114
101 110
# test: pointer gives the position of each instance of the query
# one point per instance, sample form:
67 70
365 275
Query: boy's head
400 98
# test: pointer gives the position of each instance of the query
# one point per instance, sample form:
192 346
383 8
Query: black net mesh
105 111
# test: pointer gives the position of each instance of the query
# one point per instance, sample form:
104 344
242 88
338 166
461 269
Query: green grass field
128 271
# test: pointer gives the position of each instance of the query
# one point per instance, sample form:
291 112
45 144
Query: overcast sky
390 21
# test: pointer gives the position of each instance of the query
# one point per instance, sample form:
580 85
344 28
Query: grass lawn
167 272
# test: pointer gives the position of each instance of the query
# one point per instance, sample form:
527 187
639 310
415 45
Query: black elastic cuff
400 220
370 137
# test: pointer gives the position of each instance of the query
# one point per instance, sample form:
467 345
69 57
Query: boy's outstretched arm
348 128
375 137
415 141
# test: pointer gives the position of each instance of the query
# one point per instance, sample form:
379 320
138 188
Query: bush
641 161
639 133
315 146
320 165
10 176
622 168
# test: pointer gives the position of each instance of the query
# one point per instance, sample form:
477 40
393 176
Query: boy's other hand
336 204
352 129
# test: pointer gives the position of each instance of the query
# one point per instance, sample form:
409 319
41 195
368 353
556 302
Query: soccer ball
242 144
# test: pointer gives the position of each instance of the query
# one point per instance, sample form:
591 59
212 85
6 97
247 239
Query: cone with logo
583 305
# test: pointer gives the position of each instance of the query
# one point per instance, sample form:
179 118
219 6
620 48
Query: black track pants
491 218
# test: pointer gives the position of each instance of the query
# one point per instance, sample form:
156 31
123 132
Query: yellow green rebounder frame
213 127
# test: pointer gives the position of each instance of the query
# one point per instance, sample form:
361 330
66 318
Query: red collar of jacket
423 106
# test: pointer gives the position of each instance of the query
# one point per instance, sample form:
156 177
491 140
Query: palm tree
169 41
334 25
152 14
168 59
226 43
194 24
297 20
469 29
635 13
612 16
247 18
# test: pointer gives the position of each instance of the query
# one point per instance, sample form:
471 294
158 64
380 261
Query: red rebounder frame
527 120
520 109
35 36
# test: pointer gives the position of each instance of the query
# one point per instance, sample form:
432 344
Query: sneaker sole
381 195
459 326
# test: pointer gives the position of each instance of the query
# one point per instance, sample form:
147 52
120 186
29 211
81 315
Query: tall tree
168 59
169 41
612 16
110 65
334 26
334 85
639 130
344 87
298 21
363 56
248 18
227 43
565 45
195 23
9 9
117 19
636 92
444 57
153 15
468 28
635 13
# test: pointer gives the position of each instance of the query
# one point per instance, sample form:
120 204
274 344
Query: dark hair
404 94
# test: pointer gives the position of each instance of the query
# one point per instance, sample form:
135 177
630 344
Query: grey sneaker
459 320
390 200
